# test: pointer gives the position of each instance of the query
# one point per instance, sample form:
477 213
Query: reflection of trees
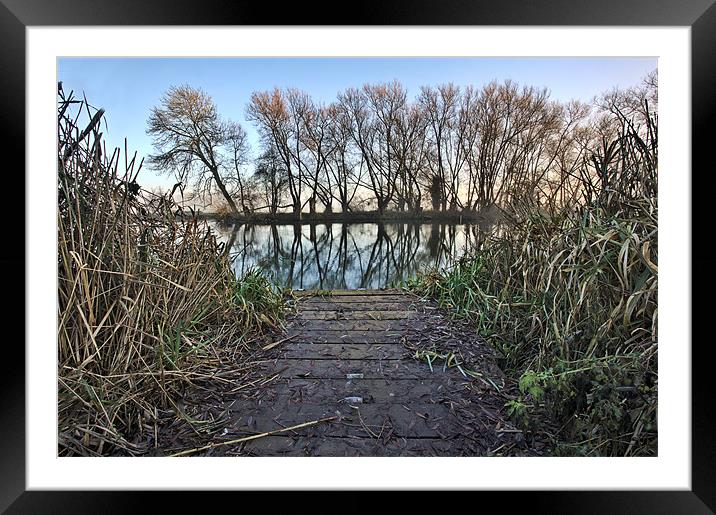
403 253
337 256
375 260
442 243
296 247
434 239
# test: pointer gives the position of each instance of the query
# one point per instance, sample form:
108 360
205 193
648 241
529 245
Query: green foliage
258 300
531 384
571 305
517 410
570 300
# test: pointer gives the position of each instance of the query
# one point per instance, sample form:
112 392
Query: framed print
416 252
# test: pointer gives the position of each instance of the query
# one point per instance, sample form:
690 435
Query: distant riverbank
484 216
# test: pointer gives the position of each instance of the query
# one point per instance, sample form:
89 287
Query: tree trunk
381 206
224 192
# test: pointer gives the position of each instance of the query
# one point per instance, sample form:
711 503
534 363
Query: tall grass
147 304
570 300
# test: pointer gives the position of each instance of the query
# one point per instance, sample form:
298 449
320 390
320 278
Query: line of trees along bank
451 148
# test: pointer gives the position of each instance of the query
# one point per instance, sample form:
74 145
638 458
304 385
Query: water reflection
345 256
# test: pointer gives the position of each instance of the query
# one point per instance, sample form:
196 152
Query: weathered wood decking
346 356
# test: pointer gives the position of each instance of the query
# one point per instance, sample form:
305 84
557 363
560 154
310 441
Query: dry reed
570 300
147 303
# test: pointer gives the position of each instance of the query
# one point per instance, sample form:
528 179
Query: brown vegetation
570 298
147 306
452 149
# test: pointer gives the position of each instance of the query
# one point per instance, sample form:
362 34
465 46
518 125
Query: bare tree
271 179
315 125
501 113
272 114
441 106
411 154
238 146
374 112
562 173
539 134
459 148
637 103
188 136
340 162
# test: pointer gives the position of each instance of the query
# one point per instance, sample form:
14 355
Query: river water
345 256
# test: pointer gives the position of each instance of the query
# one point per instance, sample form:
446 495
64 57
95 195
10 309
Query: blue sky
128 88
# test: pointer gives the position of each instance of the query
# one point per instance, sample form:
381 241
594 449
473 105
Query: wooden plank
343 351
409 420
356 315
343 357
313 325
354 306
305 335
350 293
340 368
351 299
334 391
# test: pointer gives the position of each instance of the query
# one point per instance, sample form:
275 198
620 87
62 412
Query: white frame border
671 469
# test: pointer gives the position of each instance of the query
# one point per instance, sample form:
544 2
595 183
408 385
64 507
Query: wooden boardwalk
344 358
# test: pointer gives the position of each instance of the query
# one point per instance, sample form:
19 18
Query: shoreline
354 217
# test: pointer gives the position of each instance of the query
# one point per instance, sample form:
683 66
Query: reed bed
570 301
148 304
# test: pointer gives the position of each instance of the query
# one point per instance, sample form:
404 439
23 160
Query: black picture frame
17 15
